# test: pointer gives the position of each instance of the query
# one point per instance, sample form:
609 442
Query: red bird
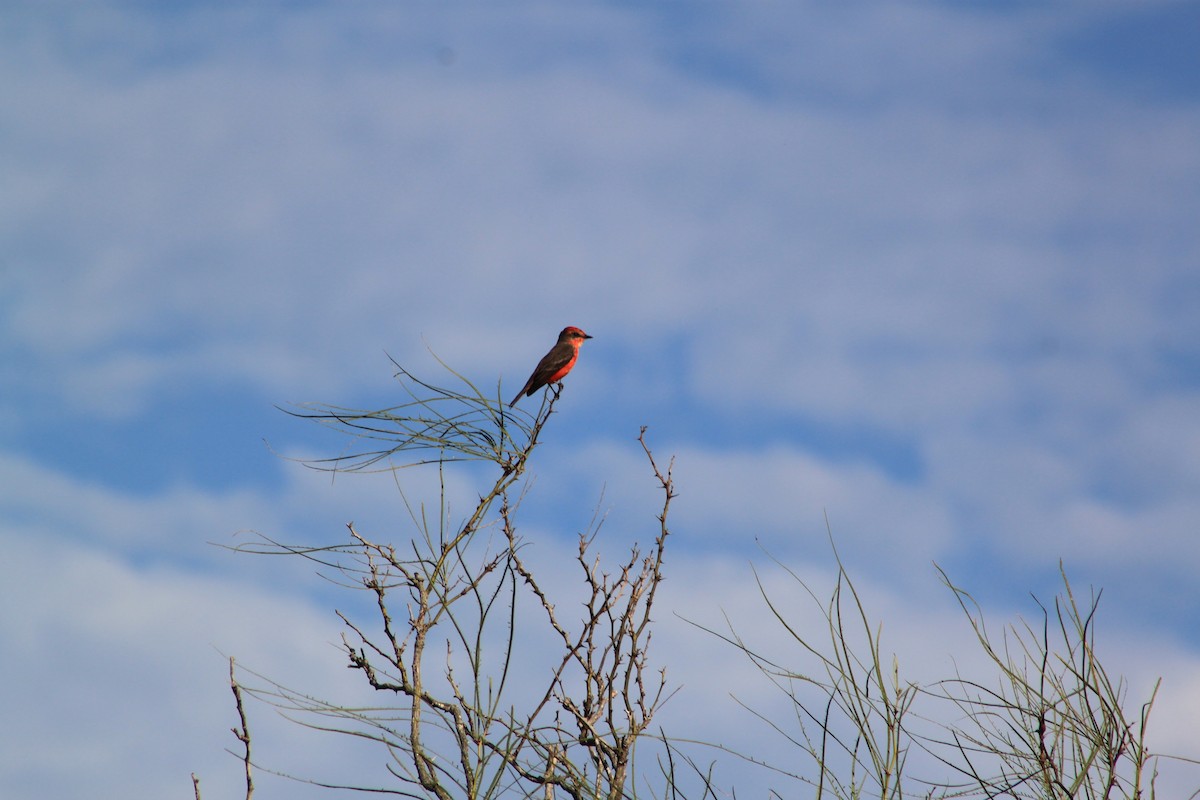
555 365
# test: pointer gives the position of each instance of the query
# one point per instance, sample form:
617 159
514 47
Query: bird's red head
573 335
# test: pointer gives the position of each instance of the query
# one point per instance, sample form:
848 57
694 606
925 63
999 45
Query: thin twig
242 734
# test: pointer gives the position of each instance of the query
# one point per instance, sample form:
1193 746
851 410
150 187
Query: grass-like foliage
1052 723
435 425
440 642
443 639
1044 720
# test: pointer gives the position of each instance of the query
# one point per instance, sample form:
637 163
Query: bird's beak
588 337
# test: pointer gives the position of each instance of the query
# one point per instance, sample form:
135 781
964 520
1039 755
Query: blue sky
932 269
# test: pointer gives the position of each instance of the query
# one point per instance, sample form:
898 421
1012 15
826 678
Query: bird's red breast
562 371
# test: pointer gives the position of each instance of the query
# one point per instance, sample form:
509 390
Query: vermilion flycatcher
555 365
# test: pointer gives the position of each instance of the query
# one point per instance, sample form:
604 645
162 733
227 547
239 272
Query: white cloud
89 511
113 672
215 202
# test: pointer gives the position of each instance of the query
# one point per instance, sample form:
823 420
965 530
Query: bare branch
242 734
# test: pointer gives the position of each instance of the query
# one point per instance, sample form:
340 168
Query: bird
555 365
